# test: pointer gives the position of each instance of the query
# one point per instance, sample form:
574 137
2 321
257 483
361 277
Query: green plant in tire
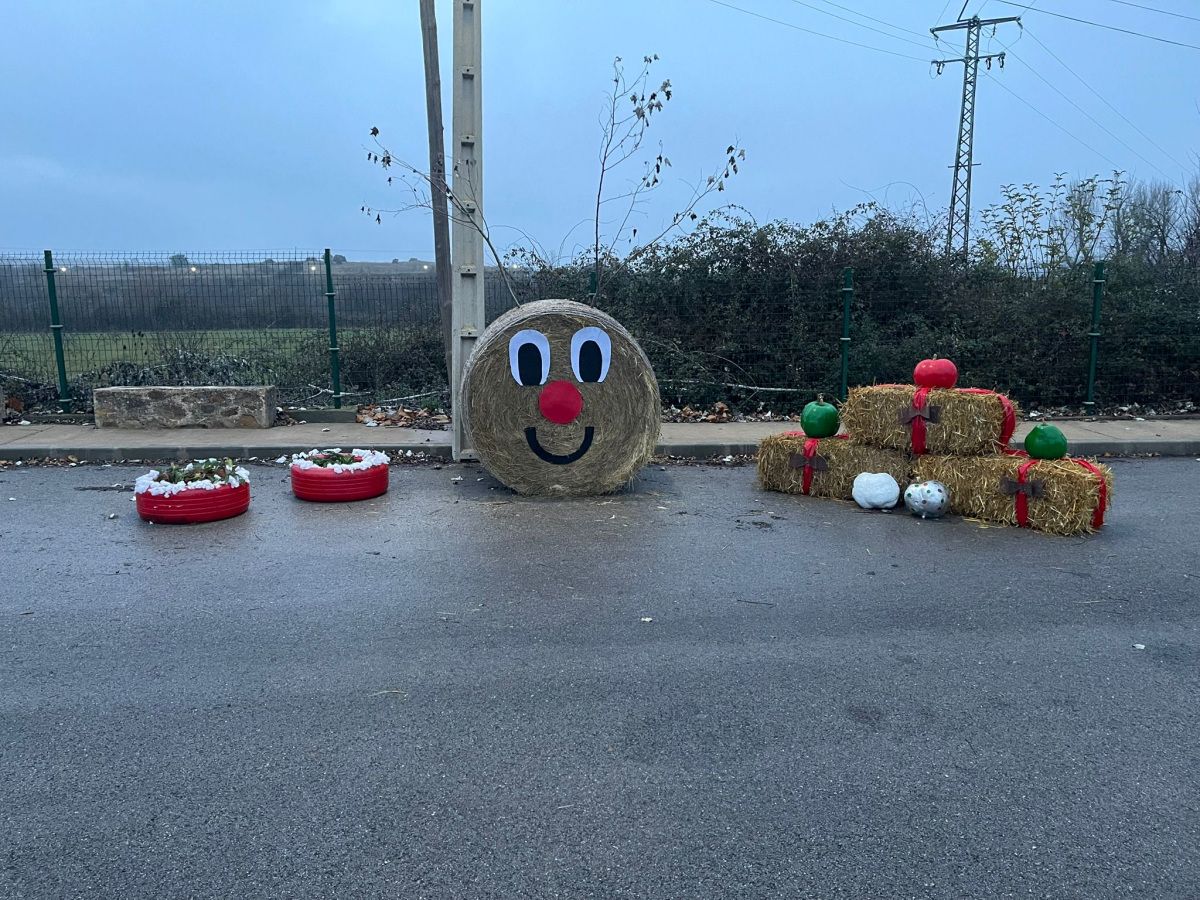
1046 442
819 419
332 458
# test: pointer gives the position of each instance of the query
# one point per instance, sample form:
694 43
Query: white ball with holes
927 499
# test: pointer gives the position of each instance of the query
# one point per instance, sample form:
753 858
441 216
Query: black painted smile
559 459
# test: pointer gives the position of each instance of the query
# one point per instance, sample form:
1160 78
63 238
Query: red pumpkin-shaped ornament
935 373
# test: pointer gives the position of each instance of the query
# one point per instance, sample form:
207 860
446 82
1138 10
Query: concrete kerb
183 454
273 451
323 416
704 450
1179 438
1135 448
442 451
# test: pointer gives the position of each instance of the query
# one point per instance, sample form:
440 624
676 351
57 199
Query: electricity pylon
958 231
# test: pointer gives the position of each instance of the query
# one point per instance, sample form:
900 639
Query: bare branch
465 211
630 106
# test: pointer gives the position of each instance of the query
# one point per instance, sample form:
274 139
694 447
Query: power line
1069 134
831 37
826 12
873 19
1096 121
1105 101
1149 37
992 36
1165 12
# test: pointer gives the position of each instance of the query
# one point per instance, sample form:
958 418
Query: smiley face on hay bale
560 400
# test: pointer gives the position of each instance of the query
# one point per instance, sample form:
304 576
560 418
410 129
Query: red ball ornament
560 402
935 373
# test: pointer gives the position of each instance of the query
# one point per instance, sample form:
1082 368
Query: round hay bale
560 400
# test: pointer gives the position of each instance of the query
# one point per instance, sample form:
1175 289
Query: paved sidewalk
1168 437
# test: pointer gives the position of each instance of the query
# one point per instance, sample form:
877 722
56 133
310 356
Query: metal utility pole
437 177
958 231
468 318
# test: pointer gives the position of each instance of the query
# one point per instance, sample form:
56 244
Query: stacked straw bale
1067 494
967 423
781 465
966 436
962 437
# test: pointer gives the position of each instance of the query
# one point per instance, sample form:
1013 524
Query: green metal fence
271 317
327 331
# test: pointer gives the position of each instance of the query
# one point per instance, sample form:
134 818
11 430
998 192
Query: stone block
212 406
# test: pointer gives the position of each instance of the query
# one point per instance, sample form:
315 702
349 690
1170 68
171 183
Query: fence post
1098 281
847 299
335 364
64 391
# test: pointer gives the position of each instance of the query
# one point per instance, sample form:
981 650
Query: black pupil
591 360
529 364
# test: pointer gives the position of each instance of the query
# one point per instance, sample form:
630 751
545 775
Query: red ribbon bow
920 414
816 462
810 461
1021 496
928 413
917 420
1024 489
1034 489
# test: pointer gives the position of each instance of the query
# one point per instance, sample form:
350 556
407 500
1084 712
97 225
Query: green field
32 355
396 360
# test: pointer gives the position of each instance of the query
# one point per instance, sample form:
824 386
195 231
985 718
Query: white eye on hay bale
560 400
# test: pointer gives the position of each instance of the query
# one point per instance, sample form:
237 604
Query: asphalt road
692 690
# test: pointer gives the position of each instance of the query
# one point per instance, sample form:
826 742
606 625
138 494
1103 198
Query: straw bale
621 414
780 465
968 424
1069 491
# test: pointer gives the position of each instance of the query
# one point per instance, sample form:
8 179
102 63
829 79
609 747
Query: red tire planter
322 484
194 505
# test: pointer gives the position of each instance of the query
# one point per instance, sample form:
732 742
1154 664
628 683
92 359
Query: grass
381 361
33 354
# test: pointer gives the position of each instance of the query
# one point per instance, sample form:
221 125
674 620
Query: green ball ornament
819 419
1046 442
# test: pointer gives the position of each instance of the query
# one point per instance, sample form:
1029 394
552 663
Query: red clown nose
560 402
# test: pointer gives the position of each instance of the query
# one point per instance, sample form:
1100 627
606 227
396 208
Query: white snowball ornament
927 499
875 490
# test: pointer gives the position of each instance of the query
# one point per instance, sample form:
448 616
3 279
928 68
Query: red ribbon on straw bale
1023 488
808 460
921 413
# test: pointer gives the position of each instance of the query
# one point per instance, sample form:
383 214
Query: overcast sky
164 125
